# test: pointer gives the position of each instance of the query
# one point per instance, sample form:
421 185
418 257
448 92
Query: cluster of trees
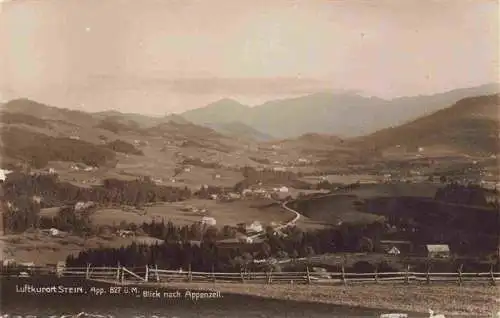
124 147
325 185
197 162
38 149
78 222
467 195
194 232
179 251
206 191
268 176
263 161
20 214
467 229
21 190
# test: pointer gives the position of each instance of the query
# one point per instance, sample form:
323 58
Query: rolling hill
470 126
340 114
239 130
37 134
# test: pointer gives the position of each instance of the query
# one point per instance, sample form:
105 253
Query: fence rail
153 274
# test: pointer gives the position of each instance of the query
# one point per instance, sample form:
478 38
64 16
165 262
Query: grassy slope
470 126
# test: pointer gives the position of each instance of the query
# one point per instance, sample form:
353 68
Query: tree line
207 255
38 149
25 194
123 147
179 251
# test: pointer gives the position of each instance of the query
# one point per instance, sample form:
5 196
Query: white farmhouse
245 239
54 232
394 251
255 227
208 221
283 189
79 206
8 262
4 173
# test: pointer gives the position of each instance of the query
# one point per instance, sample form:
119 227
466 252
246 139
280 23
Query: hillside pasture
334 210
184 213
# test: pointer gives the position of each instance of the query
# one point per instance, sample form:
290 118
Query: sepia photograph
249 158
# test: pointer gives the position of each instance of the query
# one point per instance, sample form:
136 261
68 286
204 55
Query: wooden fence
154 274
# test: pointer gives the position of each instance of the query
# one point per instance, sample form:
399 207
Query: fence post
492 276
87 272
118 273
156 272
190 274
270 280
213 273
241 275
376 275
343 275
123 274
407 275
308 276
428 274
147 274
460 274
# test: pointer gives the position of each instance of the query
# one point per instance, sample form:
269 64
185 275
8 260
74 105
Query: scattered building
27 264
438 250
157 180
36 199
394 251
283 189
54 232
208 221
4 173
255 227
401 246
125 233
80 206
9 262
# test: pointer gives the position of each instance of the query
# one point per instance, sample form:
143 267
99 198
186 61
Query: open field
468 301
182 213
43 249
334 210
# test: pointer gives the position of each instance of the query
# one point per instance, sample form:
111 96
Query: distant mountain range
470 126
340 114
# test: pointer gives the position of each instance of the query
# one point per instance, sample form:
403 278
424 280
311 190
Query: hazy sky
161 56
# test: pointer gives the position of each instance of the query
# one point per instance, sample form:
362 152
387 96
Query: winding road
282 226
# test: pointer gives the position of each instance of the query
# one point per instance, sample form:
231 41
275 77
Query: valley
141 172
